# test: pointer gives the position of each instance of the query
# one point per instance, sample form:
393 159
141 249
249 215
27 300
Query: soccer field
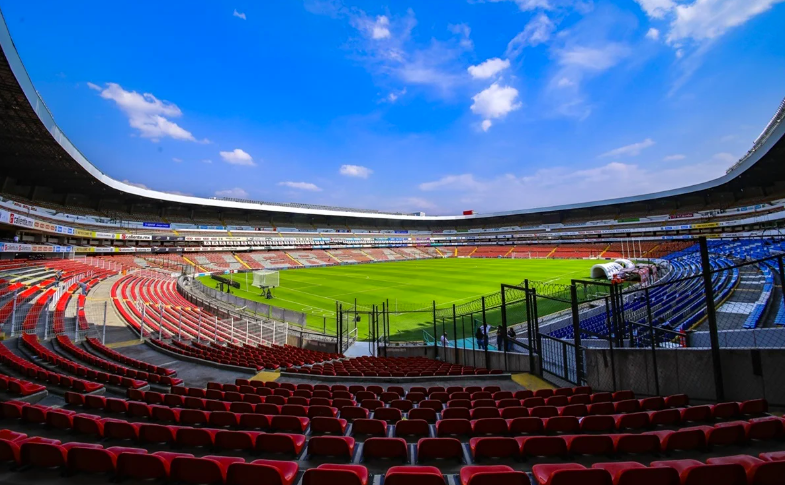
405 284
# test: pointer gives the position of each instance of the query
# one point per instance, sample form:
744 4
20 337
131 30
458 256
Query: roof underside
34 166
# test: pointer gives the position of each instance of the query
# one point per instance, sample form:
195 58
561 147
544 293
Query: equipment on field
266 279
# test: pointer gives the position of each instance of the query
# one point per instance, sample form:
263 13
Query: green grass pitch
405 284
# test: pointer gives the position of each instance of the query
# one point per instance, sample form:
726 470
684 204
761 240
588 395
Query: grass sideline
417 284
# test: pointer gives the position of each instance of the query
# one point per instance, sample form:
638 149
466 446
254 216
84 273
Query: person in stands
499 338
445 341
511 335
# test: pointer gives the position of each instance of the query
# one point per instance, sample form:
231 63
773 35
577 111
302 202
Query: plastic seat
724 434
562 424
696 413
439 449
514 412
493 447
683 439
91 460
262 471
633 473
489 426
764 428
352 413
333 474
589 444
333 446
289 423
372 427
324 411
726 410
543 411
570 473
412 427
121 430
485 412
664 417
414 475
632 421
456 413
385 448
754 407
146 466
428 415
196 437
387 414
518 426
208 469
773 456
693 472
597 424
542 446
759 472
453 427
156 433
492 475
636 443
226 419
651 403
281 443
235 440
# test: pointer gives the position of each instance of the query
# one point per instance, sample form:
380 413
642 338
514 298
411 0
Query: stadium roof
39 163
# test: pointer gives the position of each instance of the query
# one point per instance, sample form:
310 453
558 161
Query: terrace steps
241 261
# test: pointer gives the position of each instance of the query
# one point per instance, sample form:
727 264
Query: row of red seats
15 304
33 371
140 377
138 364
30 341
190 351
138 463
767 468
19 387
36 307
390 367
273 356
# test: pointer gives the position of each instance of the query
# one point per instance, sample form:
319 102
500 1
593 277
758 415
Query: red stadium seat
492 475
332 474
570 473
386 448
414 475
633 473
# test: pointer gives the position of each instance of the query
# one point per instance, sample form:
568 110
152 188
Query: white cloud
489 68
629 150
301 186
726 158
656 9
566 185
411 204
464 32
673 158
134 184
593 58
453 182
239 14
355 171
653 34
177 160
708 19
207 160
537 31
528 5
565 83
235 193
486 125
376 28
94 87
237 157
394 96
146 113
495 102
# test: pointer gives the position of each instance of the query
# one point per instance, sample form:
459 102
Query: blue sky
439 106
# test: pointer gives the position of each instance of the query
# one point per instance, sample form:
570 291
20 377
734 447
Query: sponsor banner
681 216
157 225
103 235
706 225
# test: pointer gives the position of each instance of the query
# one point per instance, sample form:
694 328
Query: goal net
265 279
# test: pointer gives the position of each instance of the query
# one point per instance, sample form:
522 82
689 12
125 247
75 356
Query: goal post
265 279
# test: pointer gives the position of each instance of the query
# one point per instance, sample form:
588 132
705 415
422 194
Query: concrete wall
747 373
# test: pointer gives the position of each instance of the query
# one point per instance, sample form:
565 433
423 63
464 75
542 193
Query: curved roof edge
46 117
